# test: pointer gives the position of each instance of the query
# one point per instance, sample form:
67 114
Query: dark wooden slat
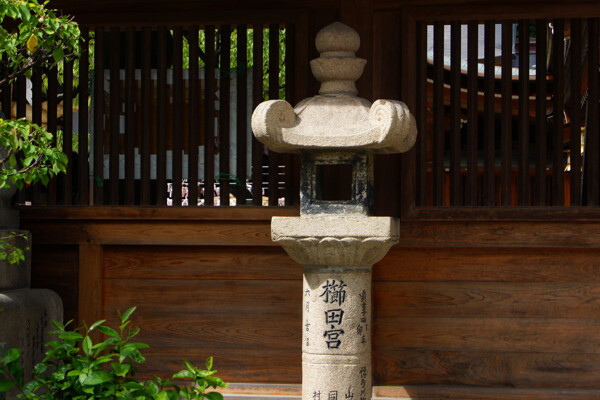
455 134
257 98
36 106
36 117
161 122
575 106
471 192
488 119
224 113
148 116
130 125
273 94
242 106
438 114
98 175
592 139
177 114
20 85
288 160
21 97
67 186
506 114
421 156
540 121
194 103
114 116
523 175
6 90
558 134
83 129
51 111
209 128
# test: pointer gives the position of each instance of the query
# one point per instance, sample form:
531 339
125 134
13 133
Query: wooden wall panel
499 316
56 267
490 264
576 300
499 319
199 262
202 301
400 366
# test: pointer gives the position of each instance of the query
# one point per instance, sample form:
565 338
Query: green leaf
87 345
12 355
95 378
24 11
6 385
58 54
70 336
108 331
209 363
183 374
40 368
127 314
31 387
189 366
213 396
97 323
163 396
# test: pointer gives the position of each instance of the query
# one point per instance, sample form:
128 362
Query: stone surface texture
335 238
336 118
26 314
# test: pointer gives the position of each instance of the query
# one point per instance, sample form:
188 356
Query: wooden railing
507 113
160 116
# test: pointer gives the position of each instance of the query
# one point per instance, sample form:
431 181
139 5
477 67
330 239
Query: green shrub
77 369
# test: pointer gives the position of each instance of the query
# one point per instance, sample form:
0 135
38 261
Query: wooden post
90 284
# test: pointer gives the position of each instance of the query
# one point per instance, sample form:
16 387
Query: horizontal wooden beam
499 234
137 213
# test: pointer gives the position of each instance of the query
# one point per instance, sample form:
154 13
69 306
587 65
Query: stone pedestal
336 339
335 238
25 314
338 253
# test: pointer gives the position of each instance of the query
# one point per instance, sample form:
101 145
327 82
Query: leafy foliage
42 37
31 155
77 369
31 36
9 252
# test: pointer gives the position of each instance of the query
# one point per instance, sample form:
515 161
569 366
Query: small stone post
26 314
337 240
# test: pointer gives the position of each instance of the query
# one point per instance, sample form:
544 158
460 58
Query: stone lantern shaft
336 240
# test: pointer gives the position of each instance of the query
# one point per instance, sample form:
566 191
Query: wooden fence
508 113
162 116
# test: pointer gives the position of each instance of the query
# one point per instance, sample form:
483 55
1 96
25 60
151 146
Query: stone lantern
336 239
